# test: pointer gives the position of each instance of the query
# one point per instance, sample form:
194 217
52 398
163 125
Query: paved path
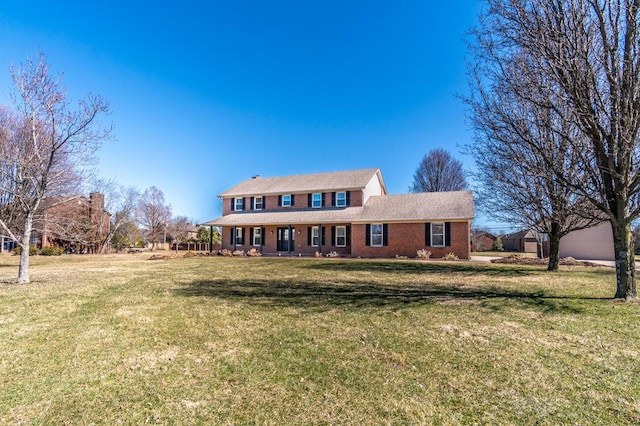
610 263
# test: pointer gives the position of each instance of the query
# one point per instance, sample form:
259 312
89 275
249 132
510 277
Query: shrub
51 251
332 254
423 254
497 244
254 253
33 250
450 256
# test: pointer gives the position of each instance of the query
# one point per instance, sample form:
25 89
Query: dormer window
316 200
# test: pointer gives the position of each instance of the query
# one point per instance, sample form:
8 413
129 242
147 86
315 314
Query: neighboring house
6 244
594 243
482 240
78 224
524 241
347 212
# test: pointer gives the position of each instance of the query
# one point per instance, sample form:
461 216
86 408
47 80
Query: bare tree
121 205
155 215
588 55
438 171
521 148
49 147
181 227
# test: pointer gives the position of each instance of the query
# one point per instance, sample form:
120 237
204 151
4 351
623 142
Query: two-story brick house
346 212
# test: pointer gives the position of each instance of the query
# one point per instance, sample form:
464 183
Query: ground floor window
315 236
239 240
341 236
437 234
377 237
257 236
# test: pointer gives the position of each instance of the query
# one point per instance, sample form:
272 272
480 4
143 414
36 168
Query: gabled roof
524 233
422 207
332 181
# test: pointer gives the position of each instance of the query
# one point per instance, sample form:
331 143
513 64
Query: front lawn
127 340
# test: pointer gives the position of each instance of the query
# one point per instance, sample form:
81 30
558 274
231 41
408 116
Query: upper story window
341 199
377 238
316 200
258 203
238 204
286 200
437 234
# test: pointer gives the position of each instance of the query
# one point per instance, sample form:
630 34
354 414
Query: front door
286 237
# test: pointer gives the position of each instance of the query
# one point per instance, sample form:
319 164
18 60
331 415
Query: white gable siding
595 243
374 187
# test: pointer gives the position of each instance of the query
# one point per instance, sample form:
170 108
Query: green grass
125 340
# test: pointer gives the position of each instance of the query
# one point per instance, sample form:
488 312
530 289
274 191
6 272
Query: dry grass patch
125 340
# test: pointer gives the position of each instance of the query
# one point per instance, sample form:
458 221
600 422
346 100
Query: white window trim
381 235
344 199
443 236
283 198
255 202
315 233
313 200
238 236
241 206
257 232
344 228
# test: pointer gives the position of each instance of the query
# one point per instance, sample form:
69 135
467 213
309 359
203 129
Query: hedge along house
348 212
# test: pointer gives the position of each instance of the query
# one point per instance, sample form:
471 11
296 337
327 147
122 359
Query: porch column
320 239
290 238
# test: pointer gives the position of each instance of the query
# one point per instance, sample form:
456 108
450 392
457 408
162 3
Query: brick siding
404 239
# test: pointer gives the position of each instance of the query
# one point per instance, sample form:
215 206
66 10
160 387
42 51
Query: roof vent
255 177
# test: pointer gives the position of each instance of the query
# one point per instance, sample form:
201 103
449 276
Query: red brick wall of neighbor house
405 239
270 202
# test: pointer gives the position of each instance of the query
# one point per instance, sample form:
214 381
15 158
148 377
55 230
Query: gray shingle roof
422 207
345 180
287 217
419 207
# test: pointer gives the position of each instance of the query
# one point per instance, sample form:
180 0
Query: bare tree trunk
23 270
625 261
554 247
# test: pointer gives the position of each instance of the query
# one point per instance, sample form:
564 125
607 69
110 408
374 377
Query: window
341 199
239 236
257 203
316 201
257 236
315 235
437 234
376 235
341 236
239 204
286 201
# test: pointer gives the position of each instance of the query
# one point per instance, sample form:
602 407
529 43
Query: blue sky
207 94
